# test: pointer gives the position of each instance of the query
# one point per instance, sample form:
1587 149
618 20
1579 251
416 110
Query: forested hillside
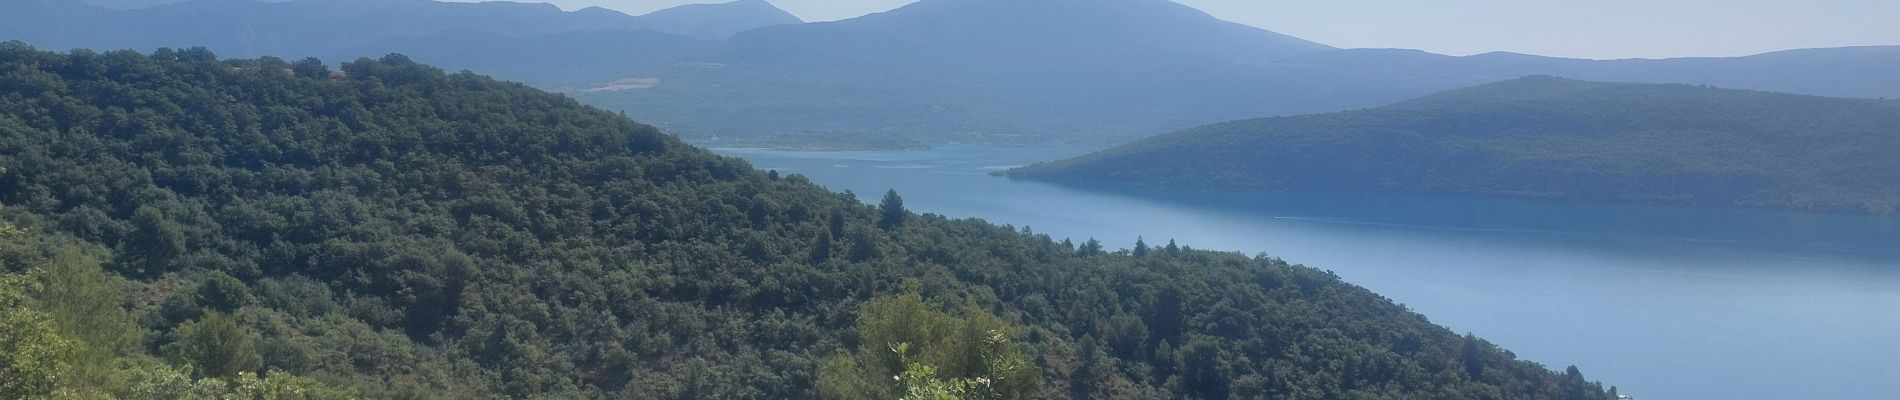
394 231
1542 137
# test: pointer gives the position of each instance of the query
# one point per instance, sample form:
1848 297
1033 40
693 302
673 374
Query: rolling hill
1104 72
1549 138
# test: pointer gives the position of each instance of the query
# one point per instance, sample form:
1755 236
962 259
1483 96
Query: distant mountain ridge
1066 31
1087 72
718 21
301 28
1862 71
1545 138
1104 72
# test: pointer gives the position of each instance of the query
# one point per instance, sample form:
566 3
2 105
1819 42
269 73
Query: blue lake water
1665 303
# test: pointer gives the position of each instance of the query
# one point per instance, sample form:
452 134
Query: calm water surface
1666 303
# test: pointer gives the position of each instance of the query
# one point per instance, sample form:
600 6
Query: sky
1566 28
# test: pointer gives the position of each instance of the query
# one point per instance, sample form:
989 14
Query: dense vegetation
406 233
1546 138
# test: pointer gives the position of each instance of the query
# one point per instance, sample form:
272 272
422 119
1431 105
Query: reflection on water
1667 303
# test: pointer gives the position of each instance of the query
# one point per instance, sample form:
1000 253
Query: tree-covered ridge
399 232
1546 138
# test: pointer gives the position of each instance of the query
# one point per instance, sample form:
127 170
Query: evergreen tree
1203 375
1141 247
155 243
835 223
33 356
216 346
910 350
892 210
820 248
863 245
1173 250
86 305
222 293
1091 248
1473 356
310 68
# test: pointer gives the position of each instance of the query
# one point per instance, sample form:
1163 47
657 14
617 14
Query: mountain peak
719 21
1071 30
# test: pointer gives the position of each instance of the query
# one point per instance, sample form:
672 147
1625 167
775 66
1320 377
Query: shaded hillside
1864 72
407 233
571 60
1546 138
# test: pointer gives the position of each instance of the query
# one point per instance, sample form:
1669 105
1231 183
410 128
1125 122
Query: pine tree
155 242
216 346
1091 248
821 248
893 211
1141 247
863 245
835 222
1473 357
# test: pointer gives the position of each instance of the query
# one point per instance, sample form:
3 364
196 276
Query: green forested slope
1546 138
406 233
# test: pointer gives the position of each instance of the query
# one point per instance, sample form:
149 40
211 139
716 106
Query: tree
932 354
155 242
311 68
835 223
85 305
863 245
892 210
1173 250
1091 248
33 361
1472 355
158 382
1141 247
1203 374
215 346
222 293
821 248
1575 387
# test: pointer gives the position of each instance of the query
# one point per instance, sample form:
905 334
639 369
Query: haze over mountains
1038 71
1545 138
302 28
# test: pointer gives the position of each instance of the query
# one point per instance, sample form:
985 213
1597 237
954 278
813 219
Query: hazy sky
1573 28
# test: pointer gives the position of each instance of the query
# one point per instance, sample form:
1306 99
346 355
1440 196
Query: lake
1665 303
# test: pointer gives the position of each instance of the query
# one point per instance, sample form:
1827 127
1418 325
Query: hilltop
1548 138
